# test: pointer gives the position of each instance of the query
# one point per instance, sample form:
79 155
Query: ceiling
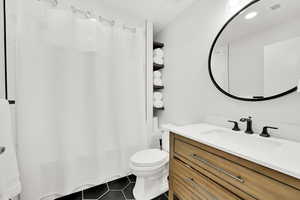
160 12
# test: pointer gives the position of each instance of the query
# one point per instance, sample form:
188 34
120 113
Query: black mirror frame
210 57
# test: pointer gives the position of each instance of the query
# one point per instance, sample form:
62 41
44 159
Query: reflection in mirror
258 53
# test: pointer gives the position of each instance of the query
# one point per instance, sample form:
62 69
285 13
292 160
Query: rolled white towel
157 96
158 60
158 52
158 82
157 74
158 57
158 104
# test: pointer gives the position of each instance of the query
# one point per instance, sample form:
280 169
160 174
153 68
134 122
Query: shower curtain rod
5 48
5 54
88 14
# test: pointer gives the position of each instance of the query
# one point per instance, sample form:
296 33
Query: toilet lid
149 158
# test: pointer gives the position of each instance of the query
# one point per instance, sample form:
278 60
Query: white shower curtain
80 100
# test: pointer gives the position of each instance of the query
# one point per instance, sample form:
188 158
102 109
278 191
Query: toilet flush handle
2 150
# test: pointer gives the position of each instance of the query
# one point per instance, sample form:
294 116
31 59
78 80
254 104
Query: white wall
190 95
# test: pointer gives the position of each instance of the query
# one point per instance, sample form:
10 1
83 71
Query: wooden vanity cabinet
201 172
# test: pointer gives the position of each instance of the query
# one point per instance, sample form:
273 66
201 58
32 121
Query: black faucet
249 129
236 125
265 132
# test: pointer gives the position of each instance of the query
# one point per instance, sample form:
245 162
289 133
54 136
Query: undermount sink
240 138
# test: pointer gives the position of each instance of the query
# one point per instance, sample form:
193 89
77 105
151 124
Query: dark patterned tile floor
119 184
75 196
128 191
95 192
120 189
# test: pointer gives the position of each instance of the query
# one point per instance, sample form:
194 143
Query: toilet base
149 187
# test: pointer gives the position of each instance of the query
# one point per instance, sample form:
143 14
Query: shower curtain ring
88 14
102 19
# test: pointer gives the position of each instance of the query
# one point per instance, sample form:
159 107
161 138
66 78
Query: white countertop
274 153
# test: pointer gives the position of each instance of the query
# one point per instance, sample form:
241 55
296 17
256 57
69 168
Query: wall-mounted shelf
158 45
157 67
156 87
158 108
11 102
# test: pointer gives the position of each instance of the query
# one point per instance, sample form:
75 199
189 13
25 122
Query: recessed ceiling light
251 15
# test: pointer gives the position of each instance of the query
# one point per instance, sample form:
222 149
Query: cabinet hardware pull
206 162
2 150
198 186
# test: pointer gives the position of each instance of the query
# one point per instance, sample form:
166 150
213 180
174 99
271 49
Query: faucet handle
265 132
236 125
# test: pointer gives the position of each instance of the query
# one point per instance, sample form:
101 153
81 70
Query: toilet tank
165 141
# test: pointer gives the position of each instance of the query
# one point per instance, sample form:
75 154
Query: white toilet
152 169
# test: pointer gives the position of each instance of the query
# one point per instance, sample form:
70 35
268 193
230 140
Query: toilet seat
149 158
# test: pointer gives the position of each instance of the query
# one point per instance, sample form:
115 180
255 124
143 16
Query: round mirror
256 55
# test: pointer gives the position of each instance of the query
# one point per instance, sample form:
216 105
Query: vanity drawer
255 184
187 179
182 192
